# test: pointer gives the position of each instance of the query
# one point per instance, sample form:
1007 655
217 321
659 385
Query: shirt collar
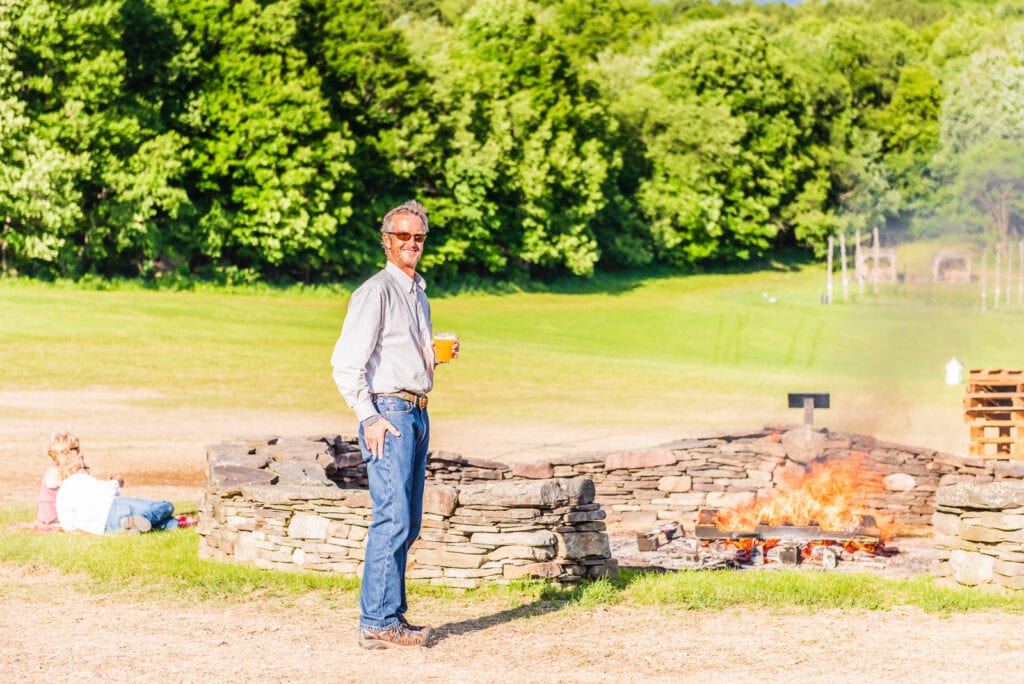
407 283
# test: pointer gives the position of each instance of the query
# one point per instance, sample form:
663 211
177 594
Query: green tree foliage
272 169
382 97
875 117
265 138
725 124
985 100
39 203
982 138
525 162
988 194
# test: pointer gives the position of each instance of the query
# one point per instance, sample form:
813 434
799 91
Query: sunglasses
405 237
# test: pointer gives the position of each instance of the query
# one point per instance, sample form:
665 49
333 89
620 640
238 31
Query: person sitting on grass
61 444
87 504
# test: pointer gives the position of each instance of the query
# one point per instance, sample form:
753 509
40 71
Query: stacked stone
507 530
639 489
636 489
674 481
447 468
442 467
271 503
979 534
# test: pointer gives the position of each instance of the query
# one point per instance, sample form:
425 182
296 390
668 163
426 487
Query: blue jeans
396 487
159 513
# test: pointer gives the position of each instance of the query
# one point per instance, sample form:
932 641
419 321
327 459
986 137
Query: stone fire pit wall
641 488
290 503
979 534
272 503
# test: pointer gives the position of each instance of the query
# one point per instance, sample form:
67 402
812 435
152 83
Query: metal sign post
808 401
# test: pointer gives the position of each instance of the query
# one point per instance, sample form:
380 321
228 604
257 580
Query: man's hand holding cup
446 347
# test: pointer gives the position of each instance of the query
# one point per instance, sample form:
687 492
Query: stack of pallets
994 412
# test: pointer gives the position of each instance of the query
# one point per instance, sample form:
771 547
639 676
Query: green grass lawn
629 349
165 566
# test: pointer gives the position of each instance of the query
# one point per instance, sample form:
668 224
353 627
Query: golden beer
444 347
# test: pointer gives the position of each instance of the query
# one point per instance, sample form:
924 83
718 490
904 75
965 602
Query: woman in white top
96 506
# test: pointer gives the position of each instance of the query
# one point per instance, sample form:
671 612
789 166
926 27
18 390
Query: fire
830 495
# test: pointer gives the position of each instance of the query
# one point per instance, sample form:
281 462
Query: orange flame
830 494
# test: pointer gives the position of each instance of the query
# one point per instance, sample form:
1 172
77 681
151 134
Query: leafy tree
91 89
272 171
38 200
377 92
526 158
588 29
982 118
873 109
724 122
909 128
985 101
989 190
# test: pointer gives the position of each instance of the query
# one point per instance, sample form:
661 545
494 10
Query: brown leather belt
419 399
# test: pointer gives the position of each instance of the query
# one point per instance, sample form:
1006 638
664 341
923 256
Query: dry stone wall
979 534
289 503
672 482
272 503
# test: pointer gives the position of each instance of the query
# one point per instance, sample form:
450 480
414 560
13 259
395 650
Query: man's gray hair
410 207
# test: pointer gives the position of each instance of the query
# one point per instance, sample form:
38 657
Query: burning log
712 546
822 518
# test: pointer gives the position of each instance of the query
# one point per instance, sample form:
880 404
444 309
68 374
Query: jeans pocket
394 406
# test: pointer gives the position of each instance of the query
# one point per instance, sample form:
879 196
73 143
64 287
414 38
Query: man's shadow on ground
551 600
542 606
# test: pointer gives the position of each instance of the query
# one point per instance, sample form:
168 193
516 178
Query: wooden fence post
984 278
846 281
831 249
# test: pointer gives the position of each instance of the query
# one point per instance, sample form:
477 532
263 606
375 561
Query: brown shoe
396 637
426 629
135 524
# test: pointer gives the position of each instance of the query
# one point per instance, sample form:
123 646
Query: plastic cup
444 346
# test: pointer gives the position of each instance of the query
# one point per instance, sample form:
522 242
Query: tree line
243 140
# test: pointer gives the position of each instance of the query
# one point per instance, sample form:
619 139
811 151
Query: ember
819 519
787 543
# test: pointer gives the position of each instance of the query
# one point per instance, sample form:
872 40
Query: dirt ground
52 631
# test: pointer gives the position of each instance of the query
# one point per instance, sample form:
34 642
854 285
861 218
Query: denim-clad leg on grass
396 487
158 513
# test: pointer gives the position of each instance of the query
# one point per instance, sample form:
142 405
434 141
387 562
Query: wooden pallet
994 412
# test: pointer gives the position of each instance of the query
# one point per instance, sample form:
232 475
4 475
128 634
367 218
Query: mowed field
148 377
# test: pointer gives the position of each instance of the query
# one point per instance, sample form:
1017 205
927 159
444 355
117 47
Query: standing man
384 367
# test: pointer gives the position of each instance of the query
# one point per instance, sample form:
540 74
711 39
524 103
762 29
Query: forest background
243 141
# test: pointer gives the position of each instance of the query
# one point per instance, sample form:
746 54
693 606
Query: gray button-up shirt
385 342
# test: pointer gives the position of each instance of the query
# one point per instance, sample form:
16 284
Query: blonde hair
61 443
65 452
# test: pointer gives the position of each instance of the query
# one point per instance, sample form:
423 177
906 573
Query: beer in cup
444 344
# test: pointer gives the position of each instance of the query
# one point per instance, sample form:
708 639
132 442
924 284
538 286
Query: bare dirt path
52 630
160 450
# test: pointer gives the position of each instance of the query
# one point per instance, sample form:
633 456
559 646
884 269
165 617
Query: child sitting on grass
61 444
